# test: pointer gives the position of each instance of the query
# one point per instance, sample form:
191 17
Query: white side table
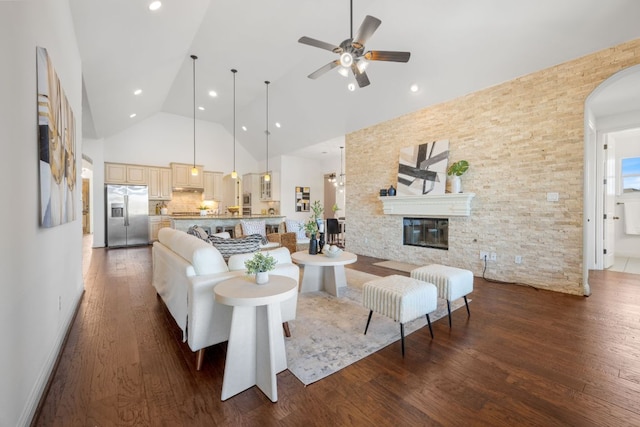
323 273
255 352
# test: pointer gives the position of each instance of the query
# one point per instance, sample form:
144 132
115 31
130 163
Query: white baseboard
45 373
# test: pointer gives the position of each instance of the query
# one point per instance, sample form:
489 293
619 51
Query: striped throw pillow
253 227
242 245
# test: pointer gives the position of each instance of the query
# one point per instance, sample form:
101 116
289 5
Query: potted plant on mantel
260 265
455 171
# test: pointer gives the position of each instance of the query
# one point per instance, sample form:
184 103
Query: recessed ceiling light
137 91
213 93
351 87
277 124
155 5
201 108
244 128
414 88
131 116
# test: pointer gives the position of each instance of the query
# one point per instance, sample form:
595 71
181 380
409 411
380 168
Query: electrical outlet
493 256
518 259
484 255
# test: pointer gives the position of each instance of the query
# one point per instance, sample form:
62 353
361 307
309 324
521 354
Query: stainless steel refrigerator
127 215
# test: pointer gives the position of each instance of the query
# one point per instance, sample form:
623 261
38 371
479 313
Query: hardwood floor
524 357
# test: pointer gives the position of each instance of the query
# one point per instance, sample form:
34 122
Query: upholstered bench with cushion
400 298
452 282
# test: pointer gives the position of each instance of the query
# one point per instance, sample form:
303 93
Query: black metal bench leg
402 337
368 320
449 310
467 304
429 323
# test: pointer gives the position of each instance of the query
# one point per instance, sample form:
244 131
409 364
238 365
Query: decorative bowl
233 209
332 253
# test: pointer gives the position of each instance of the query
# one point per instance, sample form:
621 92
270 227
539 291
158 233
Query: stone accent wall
522 138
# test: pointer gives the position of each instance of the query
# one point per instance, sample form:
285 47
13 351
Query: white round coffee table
255 352
322 273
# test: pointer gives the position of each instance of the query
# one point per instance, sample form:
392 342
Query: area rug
328 332
397 265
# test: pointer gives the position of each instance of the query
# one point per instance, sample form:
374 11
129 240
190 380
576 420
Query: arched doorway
613 106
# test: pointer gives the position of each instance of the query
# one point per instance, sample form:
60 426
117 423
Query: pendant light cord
194 109
234 71
267 84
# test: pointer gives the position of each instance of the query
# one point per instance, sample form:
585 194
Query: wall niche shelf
440 206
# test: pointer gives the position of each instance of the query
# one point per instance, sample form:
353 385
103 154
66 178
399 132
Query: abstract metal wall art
422 169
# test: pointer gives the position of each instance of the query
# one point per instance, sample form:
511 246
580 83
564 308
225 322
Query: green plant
259 263
311 226
203 207
458 168
317 209
335 208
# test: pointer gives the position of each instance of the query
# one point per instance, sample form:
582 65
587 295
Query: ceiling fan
352 54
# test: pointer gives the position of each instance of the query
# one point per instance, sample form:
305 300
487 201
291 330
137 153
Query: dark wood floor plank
525 357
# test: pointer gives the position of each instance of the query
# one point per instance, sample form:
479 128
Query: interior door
609 204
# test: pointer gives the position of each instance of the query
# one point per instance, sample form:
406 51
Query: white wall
164 138
40 267
296 171
626 145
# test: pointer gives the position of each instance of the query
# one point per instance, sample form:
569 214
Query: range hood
188 189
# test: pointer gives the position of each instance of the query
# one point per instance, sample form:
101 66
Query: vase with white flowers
260 265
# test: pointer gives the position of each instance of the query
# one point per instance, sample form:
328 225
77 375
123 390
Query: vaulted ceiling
457 47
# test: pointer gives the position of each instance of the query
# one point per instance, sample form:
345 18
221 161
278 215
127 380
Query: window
630 175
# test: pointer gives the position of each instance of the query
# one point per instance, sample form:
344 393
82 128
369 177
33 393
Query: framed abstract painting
56 146
422 169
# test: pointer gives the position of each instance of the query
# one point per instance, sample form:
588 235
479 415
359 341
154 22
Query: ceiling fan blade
320 71
387 55
361 77
320 44
366 30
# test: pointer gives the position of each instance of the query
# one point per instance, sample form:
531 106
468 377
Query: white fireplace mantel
445 205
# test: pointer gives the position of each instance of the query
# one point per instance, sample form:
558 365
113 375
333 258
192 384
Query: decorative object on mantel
260 265
383 192
455 171
391 191
422 169
439 206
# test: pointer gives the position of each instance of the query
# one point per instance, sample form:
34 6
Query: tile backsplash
181 202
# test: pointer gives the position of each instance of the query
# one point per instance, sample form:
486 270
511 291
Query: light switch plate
553 197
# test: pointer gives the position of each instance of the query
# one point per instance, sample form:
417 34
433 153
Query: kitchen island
217 223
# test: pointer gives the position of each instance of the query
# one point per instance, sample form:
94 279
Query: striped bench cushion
400 298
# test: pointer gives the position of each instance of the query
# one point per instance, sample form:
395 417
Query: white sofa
185 271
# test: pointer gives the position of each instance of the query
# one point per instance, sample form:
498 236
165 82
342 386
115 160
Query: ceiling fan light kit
352 52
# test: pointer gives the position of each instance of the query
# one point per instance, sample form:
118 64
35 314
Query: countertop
192 217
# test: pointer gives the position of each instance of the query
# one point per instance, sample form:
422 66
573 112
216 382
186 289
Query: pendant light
267 177
234 174
194 170
341 183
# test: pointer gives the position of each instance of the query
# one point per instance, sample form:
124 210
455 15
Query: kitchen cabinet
251 185
181 176
212 186
155 224
159 183
270 190
120 173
